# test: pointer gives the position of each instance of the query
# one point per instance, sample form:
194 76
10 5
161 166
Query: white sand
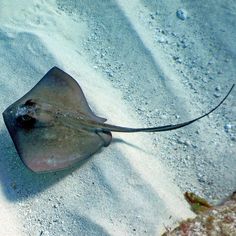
139 65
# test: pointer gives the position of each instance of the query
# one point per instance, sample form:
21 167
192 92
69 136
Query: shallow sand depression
140 64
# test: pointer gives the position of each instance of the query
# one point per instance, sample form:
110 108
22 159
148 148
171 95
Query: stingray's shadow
120 140
18 182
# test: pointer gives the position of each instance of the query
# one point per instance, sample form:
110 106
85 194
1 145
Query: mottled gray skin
53 127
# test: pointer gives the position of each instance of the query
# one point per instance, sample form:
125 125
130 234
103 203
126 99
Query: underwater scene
118 117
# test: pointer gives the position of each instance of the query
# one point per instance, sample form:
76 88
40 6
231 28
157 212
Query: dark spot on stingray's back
26 121
24 116
30 103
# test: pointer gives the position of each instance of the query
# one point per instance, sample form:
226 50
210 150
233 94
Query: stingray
53 127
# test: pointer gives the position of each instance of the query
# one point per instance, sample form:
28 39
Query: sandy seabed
139 65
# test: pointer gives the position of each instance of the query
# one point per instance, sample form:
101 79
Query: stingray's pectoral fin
105 136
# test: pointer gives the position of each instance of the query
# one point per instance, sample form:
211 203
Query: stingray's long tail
108 127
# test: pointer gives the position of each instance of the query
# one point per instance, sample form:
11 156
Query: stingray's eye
26 121
30 103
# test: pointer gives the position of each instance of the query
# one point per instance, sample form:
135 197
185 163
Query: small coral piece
197 203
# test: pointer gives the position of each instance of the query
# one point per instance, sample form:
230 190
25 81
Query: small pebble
184 44
181 14
162 40
152 16
217 95
233 138
185 142
177 59
218 89
227 127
